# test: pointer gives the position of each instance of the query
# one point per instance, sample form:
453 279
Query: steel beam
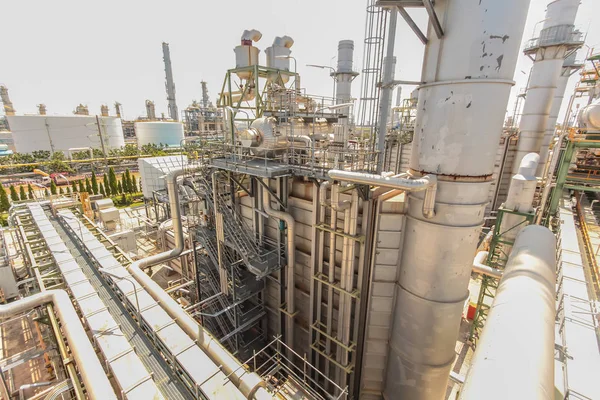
433 18
412 25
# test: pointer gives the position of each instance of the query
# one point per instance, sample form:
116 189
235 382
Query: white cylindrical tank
590 117
61 133
159 132
246 54
280 48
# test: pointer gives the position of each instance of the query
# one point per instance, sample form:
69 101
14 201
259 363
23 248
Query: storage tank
61 133
157 132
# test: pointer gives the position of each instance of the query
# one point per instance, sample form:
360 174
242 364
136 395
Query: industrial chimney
557 40
459 123
8 106
42 109
170 84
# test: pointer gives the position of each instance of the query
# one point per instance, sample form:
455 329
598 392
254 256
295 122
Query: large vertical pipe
170 83
569 66
508 364
555 42
385 96
461 110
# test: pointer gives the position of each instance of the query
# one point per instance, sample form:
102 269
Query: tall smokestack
205 98
42 109
558 39
118 109
459 123
344 75
8 105
170 84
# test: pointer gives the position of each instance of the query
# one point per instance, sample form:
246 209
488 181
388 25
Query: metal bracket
249 193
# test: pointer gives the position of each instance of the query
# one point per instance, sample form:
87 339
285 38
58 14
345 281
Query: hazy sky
65 52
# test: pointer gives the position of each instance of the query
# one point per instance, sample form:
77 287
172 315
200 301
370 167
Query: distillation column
556 42
170 83
459 123
344 75
570 66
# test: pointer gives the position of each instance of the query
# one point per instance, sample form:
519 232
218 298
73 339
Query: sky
62 53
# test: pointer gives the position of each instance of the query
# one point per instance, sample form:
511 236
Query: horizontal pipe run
96 382
514 364
428 183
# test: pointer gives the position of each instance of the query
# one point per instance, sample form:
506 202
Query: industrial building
308 247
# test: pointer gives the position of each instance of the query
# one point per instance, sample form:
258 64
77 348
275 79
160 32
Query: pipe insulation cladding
509 364
459 122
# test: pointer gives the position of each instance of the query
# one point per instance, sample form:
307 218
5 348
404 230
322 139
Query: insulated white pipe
427 183
517 365
480 267
249 384
96 382
291 260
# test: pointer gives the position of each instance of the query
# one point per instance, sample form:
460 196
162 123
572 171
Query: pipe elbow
251 35
480 267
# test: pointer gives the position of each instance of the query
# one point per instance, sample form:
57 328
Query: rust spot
504 38
499 60
452 177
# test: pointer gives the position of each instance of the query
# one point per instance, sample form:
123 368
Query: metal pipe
549 175
291 259
301 139
481 268
23 388
249 384
513 365
90 368
385 97
428 183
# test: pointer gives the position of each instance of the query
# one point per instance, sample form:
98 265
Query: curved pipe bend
427 183
481 268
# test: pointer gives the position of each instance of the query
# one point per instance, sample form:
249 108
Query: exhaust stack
170 83
458 126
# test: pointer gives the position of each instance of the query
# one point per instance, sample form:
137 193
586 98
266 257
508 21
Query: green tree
22 194
58 163
74 186
123 199
134 188
4 203
30 192
102 191
88 186
119 187
106 184
94 183
112 181
125 179
81 187
13 193
52 187
46 193
69 191
60 190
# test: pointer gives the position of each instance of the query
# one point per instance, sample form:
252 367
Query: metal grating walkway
164 377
